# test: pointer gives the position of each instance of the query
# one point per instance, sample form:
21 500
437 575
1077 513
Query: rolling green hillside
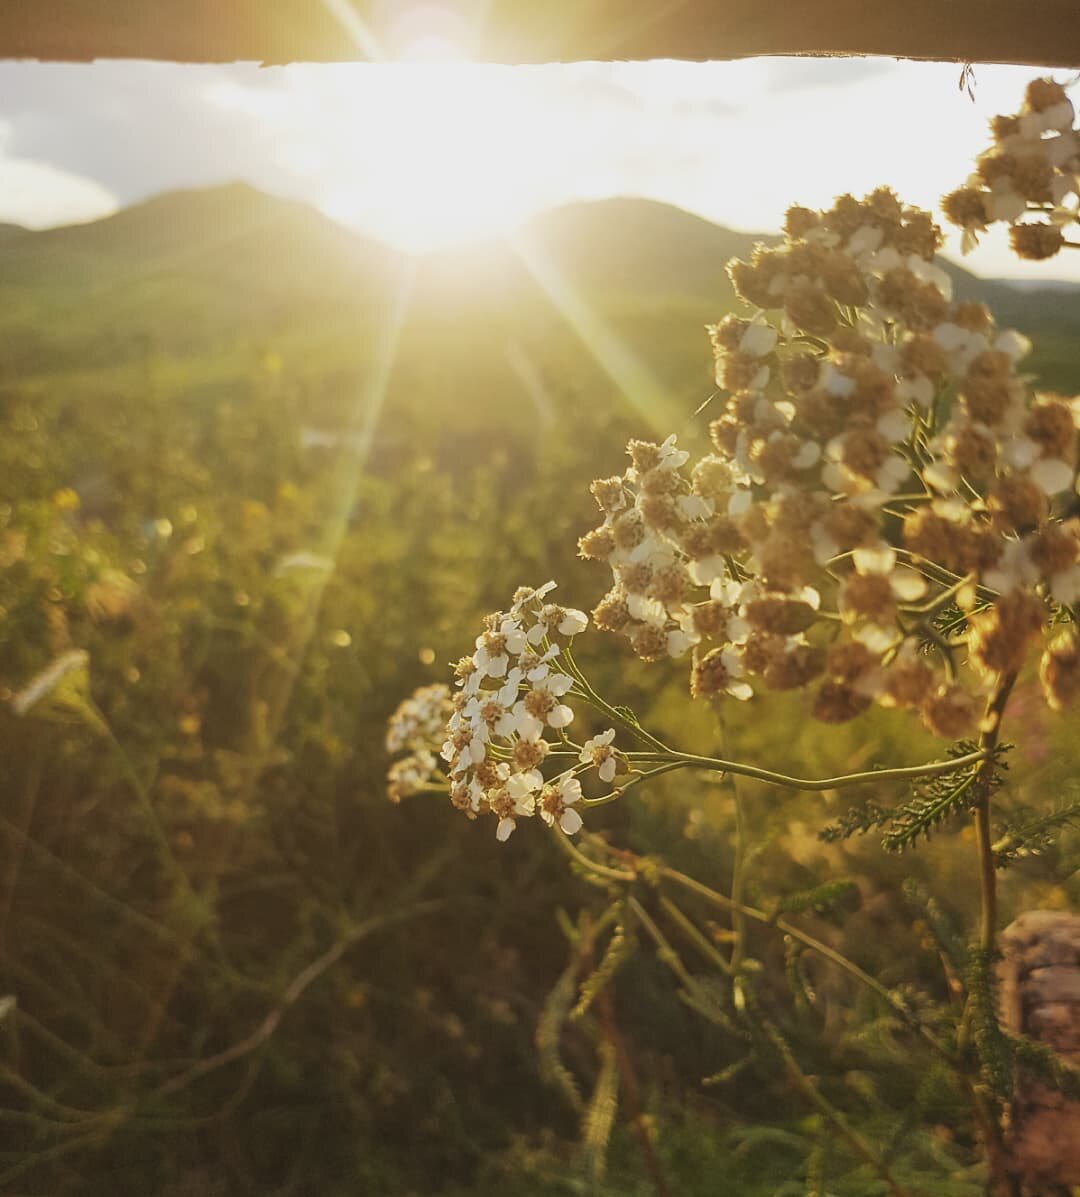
199 274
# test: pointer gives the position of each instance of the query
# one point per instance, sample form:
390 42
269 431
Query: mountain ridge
596 225
208 270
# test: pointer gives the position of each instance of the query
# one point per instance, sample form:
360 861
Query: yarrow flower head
509 718
419 720
879 459
1028 178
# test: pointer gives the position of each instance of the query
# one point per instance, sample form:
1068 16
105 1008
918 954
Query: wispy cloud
476 149
38 194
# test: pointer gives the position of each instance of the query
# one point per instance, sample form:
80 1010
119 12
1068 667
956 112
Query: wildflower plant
885 514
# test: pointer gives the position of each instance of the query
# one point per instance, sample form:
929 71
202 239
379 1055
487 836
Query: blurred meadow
268 476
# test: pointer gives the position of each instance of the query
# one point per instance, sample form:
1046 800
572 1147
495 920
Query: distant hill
191 273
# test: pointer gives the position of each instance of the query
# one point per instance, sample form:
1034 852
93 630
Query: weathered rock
1039 979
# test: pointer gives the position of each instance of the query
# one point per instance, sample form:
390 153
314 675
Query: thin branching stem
815 784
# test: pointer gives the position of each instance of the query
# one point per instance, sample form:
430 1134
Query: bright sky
426 155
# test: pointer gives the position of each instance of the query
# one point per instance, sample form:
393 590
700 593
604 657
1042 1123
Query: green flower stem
694 935
591 866
825 1107
698 998
590 696
988 742
636 780
808 941
815 945
941 600
715 765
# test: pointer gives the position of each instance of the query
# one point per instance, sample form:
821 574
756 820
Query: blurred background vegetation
269 477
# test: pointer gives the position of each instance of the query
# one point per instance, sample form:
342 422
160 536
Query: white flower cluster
878 447
510 715
1032 169
419 720
416 726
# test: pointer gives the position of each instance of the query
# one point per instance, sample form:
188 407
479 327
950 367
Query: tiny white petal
561 716
1051 475
573 622
877 560
907 584
571 822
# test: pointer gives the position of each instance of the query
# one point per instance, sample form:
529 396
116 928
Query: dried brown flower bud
1016 503
907 683
611 613
670 584
1055 547
724 434
728 334
1035 242
842 278
799 221
975 317
1004 127
800 372
810 310
848 661
762 650
999 637
628 529
868 596
711 619
609 494
974 452
644 454
649 642
712 478
846 216
1044 93
919 304
635 577
1050 425
794 668
949 712
597 545
1032 178
712 674
995 165
836 702
965 207
883 203
660 512
780 614
737 371
921 354
920 235
1059 670
751 283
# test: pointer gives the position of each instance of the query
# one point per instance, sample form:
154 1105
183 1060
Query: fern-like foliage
818 900
549 1027
619 949
939 798
1046 1064
857 821
802 992
599 1119
933 801
1031 833
992 1045
944 931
